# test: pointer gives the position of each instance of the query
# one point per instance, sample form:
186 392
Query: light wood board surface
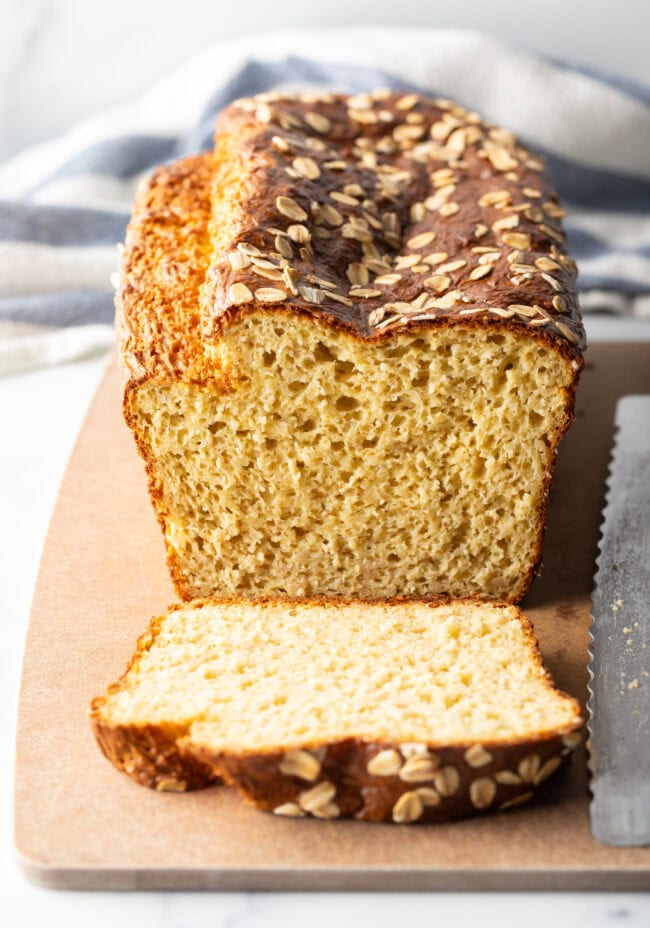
81 824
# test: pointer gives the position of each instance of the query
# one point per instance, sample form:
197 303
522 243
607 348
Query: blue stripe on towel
583 245
60 225
617 284
597 188
63 309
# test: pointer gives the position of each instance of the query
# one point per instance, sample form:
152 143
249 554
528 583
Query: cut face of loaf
396 712
351 343
329 466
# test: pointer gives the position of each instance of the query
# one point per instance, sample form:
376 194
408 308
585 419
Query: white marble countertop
42 412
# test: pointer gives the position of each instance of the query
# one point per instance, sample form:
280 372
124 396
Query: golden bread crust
162 267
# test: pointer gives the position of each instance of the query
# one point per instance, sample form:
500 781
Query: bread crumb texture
330 466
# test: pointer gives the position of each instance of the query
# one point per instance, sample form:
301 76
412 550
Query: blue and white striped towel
64 205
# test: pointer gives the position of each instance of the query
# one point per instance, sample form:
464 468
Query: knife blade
619 669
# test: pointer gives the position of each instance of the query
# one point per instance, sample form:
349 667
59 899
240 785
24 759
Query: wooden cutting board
80 824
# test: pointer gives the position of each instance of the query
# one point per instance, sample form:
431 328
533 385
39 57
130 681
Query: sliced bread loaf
391 711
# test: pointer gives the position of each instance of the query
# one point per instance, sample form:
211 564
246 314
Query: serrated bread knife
619 704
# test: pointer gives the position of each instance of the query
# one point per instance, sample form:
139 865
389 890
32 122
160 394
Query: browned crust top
163 264
371 213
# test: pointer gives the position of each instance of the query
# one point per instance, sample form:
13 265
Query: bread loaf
398 711
351 343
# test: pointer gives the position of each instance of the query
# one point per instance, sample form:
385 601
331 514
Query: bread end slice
397 711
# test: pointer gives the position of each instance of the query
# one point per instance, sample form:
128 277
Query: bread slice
393 711
351 343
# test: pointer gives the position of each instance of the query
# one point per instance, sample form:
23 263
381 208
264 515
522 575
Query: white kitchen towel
64 205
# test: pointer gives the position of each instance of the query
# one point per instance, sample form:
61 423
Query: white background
60 60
